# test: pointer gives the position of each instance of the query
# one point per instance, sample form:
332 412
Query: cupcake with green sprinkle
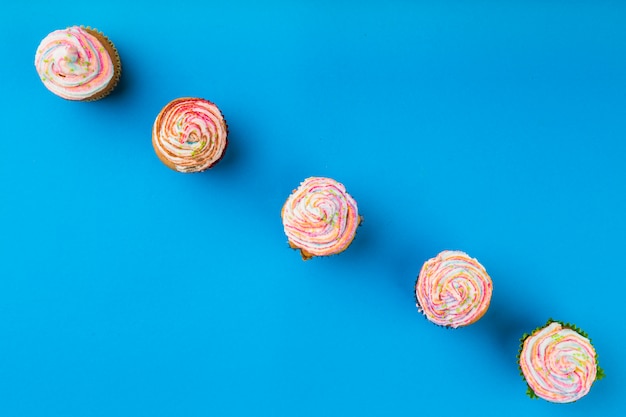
558 362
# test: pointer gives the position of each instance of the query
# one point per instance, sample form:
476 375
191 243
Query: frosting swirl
74 64
190 135
558 363
320 218
453 289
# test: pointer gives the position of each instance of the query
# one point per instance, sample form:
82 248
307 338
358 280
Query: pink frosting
73 64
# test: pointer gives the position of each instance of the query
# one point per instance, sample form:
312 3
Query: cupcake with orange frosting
453 290
558 362
320 218
190 135
78 64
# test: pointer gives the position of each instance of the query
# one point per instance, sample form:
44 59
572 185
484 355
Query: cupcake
78 63
320 218
558 362
453 290
190 135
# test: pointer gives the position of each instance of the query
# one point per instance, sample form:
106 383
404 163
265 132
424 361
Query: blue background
127 289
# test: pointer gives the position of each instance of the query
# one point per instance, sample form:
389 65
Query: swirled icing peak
320 218
453 289
74 64
190 135
558 363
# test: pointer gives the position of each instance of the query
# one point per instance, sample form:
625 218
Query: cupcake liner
115 57
529 391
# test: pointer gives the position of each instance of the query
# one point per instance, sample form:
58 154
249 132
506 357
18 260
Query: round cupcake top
453 289
74 64
558 363
190 135
320 218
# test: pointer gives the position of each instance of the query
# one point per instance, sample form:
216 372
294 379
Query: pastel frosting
190 134
74 64
558 363
453 289
320 218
